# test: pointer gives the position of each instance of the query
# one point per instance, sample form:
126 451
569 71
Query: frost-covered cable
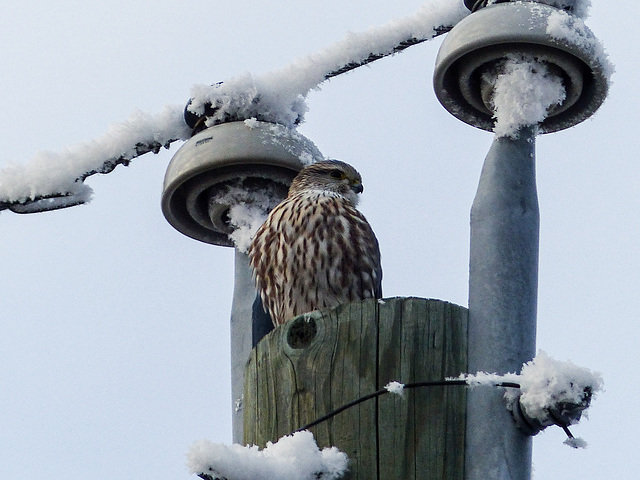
55 180
372 57
279 96
546 392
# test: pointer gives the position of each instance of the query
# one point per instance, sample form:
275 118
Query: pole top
251 157
482 40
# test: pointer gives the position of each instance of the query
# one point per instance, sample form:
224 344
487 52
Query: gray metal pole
241 336
249 323
503 284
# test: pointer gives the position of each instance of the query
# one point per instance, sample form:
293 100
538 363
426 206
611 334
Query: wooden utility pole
321 361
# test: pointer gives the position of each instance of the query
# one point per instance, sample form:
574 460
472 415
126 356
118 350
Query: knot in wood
302 331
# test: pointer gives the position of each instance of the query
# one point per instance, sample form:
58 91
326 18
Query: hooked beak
357 187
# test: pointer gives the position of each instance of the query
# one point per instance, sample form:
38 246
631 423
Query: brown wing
314 251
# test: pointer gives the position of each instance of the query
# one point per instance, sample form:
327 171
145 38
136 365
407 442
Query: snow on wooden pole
318 362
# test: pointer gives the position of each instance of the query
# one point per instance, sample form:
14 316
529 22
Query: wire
435 383
398 48
37 204
383 391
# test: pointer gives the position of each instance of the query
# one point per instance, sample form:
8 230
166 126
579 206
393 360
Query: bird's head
332 176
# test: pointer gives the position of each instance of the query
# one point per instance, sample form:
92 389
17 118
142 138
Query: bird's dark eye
335 173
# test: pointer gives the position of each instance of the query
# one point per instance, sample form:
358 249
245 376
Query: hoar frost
246 219
546 382
57 173
523 92
248 210
279 96
570 28
574 442
293 457
579 8
546 385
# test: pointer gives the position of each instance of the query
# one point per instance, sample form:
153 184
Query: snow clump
249 208
293 457
546 383
396 388
579 8
279 96
58 173
548 387
523 92
573 30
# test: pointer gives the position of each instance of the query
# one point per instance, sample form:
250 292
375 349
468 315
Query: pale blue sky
114 346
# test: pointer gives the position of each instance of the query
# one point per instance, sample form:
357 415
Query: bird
315 249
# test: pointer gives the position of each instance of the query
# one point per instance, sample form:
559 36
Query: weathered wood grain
320 361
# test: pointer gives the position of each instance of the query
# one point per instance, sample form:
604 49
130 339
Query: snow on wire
279 96
550 392
543 384
55 180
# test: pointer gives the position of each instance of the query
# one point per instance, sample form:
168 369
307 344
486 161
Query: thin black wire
397 49
152 146
435 383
